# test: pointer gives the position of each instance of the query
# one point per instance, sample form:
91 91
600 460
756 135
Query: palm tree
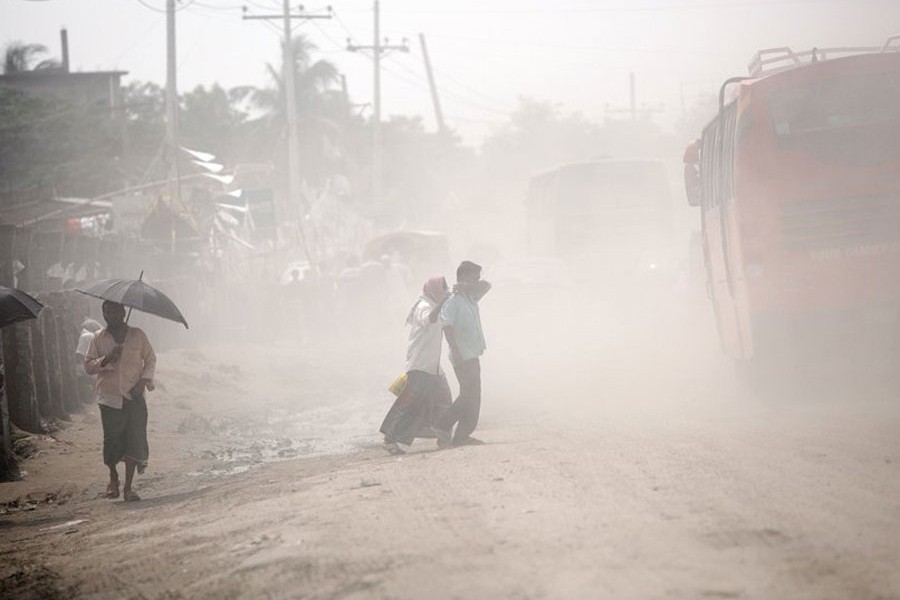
321 109
19 56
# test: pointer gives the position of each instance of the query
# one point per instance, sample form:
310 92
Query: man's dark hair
467 267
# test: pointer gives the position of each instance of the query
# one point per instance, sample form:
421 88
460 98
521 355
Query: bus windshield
592 188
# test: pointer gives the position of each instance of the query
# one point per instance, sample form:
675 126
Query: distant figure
426 396
461 322
293 314
124 363
88 328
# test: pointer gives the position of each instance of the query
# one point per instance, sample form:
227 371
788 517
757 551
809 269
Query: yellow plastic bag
398 385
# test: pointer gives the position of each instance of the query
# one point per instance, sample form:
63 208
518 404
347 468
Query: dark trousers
466 408
125 432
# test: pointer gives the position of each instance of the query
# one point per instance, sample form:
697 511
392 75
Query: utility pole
172 105
289 76
293 164
435 99
377 49
633 109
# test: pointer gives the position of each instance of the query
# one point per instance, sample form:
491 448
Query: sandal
393 448
131 496
112 491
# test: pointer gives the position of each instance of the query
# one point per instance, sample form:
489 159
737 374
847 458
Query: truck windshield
850 119
835 103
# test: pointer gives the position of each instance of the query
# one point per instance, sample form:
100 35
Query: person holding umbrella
123 362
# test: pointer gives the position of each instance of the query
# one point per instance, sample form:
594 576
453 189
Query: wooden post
7 234
65 334
39 363
20 396
19 375
21 399
52 351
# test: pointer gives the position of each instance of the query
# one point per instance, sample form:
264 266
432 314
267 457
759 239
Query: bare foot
131 496
112 490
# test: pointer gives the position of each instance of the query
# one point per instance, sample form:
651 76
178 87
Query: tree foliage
19 57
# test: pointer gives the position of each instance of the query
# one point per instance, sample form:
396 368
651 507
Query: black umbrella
16 305
134 293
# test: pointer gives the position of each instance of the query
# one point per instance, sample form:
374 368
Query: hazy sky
485 53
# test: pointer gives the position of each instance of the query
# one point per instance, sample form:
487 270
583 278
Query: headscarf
91 325
434 290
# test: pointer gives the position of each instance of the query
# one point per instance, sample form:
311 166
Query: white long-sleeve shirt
115 380
424 352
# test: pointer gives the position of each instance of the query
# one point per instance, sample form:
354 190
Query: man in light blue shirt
461 322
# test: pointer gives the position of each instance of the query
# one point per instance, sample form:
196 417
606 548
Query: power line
338 45
221 8
416 81
138 40
468 89
162 10
453 93
421 85
340 22
621 9
540 44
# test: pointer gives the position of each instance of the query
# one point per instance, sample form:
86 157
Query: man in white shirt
124 363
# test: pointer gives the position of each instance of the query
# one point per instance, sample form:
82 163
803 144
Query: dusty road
608 481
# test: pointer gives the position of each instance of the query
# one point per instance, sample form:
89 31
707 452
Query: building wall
97 88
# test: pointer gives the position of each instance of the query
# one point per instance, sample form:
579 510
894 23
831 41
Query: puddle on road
238 445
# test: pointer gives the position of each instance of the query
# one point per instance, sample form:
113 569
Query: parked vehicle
798 183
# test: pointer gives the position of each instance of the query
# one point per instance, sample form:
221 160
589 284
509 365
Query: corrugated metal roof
52 210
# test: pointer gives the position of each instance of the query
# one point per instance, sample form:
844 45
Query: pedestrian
89 327
123 361
426 395
461 323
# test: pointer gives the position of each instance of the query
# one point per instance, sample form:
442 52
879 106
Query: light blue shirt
461 312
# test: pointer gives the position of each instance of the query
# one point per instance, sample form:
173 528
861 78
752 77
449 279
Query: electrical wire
339 21
149 6
450 96
221 8
442 76
211 13
138 40
418 82
618 9
452 93
540 44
